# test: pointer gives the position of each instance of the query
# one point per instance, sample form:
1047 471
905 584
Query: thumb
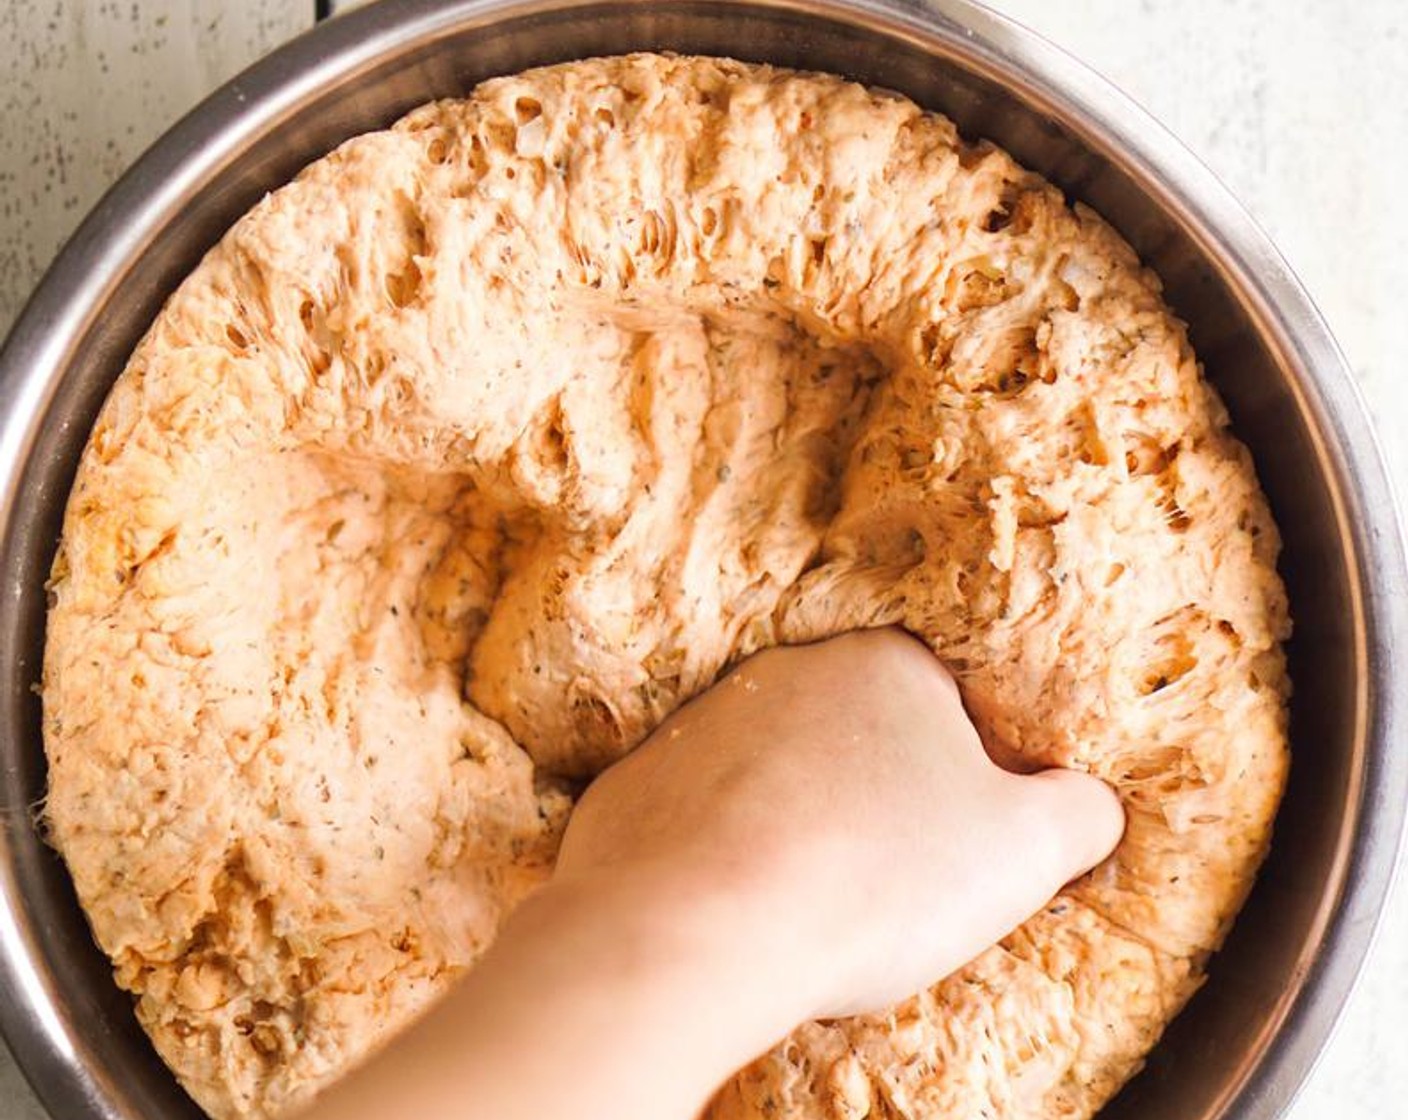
1080 819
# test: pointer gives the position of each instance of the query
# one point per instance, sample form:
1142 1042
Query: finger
1080 818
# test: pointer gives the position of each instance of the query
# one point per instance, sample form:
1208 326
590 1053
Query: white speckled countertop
1301 106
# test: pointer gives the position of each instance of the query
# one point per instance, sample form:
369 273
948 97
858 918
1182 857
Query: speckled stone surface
86 85
1301 106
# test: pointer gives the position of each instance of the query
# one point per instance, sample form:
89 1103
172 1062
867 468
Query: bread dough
471 453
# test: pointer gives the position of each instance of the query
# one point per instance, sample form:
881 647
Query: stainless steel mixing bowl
1250 1037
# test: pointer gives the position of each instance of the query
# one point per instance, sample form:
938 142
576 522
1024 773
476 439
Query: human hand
838 797
821 833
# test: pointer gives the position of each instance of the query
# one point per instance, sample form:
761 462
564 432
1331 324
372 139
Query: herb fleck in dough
488 441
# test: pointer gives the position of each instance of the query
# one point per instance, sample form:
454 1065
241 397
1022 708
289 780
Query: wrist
715 961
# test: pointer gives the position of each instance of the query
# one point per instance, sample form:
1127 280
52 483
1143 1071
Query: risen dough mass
493 437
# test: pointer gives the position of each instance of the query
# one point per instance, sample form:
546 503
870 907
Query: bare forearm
602 1001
